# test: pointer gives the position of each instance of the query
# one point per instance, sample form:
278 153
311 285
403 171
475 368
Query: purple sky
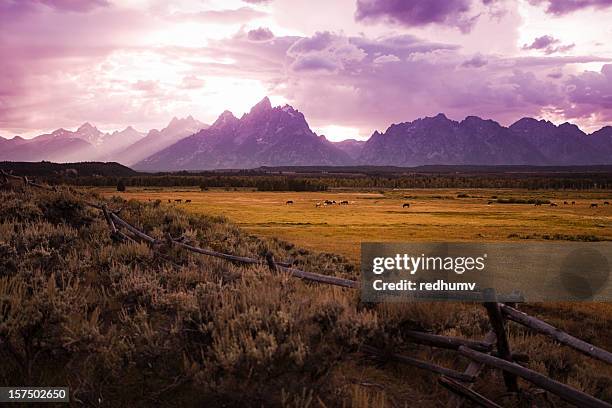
352 66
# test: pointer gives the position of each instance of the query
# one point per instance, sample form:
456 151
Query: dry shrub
123 326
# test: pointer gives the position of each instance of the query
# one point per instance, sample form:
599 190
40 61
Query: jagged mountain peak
87 127
225 118
265 136
261 106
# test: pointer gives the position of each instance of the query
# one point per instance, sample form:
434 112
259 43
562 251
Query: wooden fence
493 351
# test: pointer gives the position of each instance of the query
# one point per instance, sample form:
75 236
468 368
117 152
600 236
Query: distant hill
87 143
157 140
267 135
84 169
351 147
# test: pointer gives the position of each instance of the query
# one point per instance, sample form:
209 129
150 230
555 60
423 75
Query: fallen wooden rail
559 335
467 393
480 353
309 276
474 368
27 181
419 364
565 392
452 343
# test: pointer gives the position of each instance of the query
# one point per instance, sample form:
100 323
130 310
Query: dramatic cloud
260 34
591 93
560 7
456 13
142 62
548 44
324 51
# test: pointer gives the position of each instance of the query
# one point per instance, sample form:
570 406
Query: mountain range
87 143
281 136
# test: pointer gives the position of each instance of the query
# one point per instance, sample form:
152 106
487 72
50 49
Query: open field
115 322
434 215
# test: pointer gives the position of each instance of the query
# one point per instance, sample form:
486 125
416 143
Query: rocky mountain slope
475 141
266 136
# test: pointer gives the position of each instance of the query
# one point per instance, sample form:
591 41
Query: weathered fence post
270 261
503 346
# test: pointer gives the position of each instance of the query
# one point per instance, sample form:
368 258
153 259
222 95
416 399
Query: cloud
591 93
476 61
227 16
78 6
561 7
383 59
315 63
260 34
324 51
454 13
548 44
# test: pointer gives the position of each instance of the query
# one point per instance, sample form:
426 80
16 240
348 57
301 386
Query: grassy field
434 215
123 326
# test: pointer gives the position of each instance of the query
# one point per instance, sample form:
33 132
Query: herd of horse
404 205
407 205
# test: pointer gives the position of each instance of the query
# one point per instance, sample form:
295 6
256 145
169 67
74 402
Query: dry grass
123 327
434 215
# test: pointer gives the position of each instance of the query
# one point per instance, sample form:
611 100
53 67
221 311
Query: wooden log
503 345
26 181
419 364
466 392
567 393
447 342
133 229
309 276
108 219
473 369
316 277
559 335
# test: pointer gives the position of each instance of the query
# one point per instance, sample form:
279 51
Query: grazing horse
573 203
490 202
328 202
406 205
289 202
344 202
178 200
606 203
538 204
593 205
317 205
187 201
553 205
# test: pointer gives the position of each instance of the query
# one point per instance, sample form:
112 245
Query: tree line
598 181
